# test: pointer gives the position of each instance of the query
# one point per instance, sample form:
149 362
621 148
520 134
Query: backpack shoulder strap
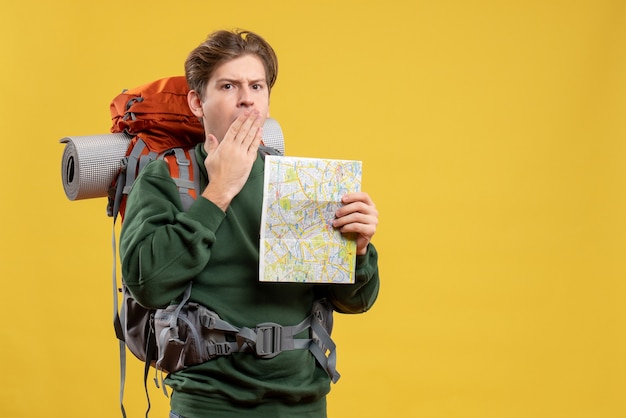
183 168
265 150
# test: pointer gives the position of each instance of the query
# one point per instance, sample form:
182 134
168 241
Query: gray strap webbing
136 163
266 340
145 159
116 318
183 163
174 318
185 169
122 374
329 363
196 172
184 184
132 161
214 322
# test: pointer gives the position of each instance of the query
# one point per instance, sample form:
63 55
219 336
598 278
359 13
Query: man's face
235 86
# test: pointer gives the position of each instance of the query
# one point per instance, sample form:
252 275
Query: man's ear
195 104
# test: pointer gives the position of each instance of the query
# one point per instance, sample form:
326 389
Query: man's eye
257 87
227 86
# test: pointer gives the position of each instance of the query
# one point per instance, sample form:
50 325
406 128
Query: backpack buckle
268 339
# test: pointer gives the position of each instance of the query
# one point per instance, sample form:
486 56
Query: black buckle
268 339
219 349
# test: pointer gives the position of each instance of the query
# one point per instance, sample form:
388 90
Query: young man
215 244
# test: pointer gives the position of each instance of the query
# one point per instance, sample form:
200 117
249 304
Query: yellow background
492 135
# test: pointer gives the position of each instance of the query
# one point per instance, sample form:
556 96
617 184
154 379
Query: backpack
158 119
160 125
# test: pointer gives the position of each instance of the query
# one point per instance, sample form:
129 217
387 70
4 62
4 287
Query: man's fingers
358 197
251 131
357 207
256 141
245 127
236 127
355 218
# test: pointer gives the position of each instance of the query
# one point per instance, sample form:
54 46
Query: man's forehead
245 68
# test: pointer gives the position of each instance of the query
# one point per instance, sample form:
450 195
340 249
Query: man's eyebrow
237 81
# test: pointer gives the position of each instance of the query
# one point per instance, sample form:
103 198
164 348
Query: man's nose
245 98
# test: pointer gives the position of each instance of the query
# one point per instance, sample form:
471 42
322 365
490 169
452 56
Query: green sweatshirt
163 247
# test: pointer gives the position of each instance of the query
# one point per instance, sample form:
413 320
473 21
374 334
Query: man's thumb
211 143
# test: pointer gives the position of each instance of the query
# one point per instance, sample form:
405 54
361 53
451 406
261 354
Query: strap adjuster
219 349
268 339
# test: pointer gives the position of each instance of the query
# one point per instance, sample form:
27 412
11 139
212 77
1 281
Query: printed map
298 242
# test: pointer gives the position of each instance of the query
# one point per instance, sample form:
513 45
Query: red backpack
162 126
158 114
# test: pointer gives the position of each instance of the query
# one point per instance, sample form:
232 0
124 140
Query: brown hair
222 46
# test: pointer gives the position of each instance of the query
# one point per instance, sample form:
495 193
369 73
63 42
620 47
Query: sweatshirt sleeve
162 247
360 296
